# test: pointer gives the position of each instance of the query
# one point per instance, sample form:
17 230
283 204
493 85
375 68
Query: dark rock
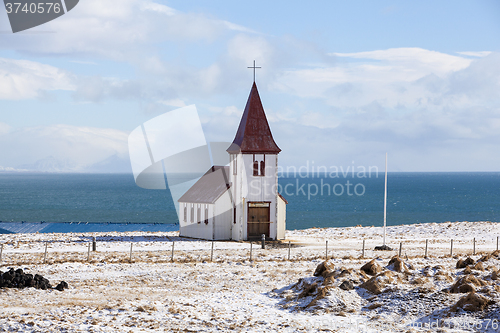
18 279
383 248
347 285
61 286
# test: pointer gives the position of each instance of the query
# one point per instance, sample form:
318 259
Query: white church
239 201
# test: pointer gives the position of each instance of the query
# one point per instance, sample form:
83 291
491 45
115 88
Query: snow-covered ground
108 293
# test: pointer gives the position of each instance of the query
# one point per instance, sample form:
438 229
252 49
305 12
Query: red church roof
254 134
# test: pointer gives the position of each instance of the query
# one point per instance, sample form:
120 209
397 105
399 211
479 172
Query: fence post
400 248
1 253
263 241
212 251
426 245
451 248
497 243
131 252
173 244
326 251
45 255
288 251
88 254
94 246
250 251
474 246
363 251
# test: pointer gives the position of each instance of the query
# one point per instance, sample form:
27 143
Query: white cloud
4 128
80 146
20 79
318 120
395 78
118 29
226 111
226 75
96 88
478 54
431 111
421 59
174 102
156 7
245 49
236 27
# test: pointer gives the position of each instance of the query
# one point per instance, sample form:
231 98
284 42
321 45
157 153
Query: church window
198 213
259 165
234 164
185 212
192 213
206 214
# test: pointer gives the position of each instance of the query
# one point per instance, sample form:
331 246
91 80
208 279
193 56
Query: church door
258 219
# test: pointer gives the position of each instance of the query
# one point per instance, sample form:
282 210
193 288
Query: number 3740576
33 8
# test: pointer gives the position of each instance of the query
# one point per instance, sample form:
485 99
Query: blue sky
342 82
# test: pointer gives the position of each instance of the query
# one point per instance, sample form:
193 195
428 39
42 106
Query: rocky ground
410 293
380 292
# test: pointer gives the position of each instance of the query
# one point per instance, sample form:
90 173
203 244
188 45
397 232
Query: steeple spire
254 134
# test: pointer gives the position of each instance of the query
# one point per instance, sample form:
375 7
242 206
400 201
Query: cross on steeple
254 70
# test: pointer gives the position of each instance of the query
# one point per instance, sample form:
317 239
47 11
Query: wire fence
188 250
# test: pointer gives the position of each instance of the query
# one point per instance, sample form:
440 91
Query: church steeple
254 134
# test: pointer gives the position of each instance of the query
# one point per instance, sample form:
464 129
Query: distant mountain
51 164
10 169
112 164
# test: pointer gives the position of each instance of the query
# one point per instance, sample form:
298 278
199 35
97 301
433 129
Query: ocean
94 202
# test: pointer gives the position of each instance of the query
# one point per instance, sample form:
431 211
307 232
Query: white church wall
281 224
249 188
222 217
260 188
237 190
194 225
183 217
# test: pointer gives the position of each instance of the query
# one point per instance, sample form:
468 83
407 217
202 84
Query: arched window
198 214
262 168
192 213
255 168
185 213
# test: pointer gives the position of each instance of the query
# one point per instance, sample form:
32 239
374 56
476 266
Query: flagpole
385 196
